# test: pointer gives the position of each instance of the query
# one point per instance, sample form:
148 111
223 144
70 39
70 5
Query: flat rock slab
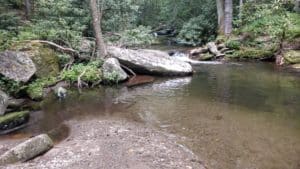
151 62
16 66
108 144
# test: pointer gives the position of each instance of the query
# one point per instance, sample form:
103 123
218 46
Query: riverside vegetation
60 44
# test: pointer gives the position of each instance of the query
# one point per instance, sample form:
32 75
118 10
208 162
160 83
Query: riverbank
113 143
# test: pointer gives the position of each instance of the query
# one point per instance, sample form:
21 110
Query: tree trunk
228 17
220 8
27 8
241 9
97 16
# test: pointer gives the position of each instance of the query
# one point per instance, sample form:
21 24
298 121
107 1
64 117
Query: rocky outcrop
27 150
13 121
112 71
151 62
16 66
3 102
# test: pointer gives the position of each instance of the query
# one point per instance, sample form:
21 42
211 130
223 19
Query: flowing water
233 116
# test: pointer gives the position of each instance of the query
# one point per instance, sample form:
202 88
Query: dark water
233 116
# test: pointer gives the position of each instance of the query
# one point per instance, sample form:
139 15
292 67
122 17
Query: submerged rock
151 62
13 121
112 71
60 92
27 150
3 102
16 66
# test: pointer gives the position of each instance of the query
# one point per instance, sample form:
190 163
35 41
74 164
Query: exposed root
128 69
81 82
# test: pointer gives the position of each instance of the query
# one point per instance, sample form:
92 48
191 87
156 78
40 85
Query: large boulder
45 59
16 66
3 102
27 150
150 62
112 69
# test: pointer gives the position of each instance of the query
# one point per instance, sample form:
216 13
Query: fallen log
214 49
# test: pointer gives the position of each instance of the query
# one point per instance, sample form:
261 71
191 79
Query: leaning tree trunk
27 8
97 16
228 17
220 8
241 9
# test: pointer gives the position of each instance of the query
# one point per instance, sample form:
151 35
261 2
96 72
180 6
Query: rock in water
27 150
112 69
61 92
13 121
151 62
3 102
16 66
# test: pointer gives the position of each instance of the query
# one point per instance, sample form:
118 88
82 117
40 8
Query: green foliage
253 53
233 44
35 90
112 78
10 86
197 31
90 72
137 37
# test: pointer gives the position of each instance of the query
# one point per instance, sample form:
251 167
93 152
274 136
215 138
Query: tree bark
27 8
228 17
97 16
241 9
221 14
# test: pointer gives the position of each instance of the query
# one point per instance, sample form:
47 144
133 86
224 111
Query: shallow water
234 116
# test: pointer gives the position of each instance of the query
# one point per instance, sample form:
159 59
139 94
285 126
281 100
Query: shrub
137 37
92 72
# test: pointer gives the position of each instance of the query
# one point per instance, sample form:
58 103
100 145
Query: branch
61 48
79 81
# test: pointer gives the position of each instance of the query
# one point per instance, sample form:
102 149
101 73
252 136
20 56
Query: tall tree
228 17
221 16
97 13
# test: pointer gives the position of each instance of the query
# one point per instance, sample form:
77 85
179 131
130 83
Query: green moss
12 116
10 86
292 56
90 72
233 44
35 89
252 53
206 56
45 59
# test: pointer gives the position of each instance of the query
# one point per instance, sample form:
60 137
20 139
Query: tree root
81 82
128 69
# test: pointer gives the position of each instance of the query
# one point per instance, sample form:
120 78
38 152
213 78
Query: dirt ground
112 144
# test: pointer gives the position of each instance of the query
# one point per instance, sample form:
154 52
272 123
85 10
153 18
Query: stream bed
233 116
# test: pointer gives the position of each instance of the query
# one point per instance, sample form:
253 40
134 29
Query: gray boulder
112 69
27 150
3 102
16 66
151 62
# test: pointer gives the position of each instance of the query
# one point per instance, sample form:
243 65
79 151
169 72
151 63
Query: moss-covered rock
45 59
13 120
292 56
205 56
252 53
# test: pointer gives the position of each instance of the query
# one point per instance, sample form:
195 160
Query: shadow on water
231 115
